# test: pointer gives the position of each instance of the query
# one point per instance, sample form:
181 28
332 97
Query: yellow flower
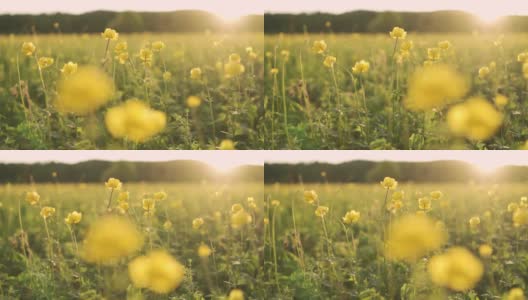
399 195
456 269
149 206
389 183
123 206
109 239
351 217
413 236
398 33
160 196
285 54
32 198
236 294
233 69
240 218
234 58
501 100
45 62
522 57
520 217
157 271
123 196
110 34
485 250
158 46
135 121
47 212
227 145
193 101
475 119
121 47
266 221
407 45
319 47
69 68
434 86
516 294
483 72
436 195
474 222
275 203
28 48
113 183
167 76
433 54
196 73
197 223
360 67
123 57
204 251
145 55
84 92
274 71
310 196
424 204
321 211
444 45
73 218
329 61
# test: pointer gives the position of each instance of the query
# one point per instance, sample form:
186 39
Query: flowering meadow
116 240
398 90
398 241
131 91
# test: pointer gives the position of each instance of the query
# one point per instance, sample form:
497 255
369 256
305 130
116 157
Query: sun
488 15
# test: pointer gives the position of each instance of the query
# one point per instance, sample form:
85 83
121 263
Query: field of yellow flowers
398 90
399 241
131 91
116 240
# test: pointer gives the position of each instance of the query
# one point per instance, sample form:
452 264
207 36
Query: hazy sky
229 9
487 9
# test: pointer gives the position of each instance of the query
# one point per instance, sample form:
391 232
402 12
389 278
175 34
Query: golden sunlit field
399 241
131 91
401 90
159 241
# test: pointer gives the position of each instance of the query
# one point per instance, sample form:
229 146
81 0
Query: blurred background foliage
126 22
362 21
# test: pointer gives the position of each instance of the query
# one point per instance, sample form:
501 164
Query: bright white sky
228 9
486 9
221 160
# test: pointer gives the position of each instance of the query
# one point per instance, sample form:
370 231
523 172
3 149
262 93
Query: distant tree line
99 171
374 22
371 172
97 21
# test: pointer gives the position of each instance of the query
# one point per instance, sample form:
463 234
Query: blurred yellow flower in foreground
475 119
47 212
157 271
434 86
456 269
45 62
69 68
73 218
398 33
413 236
84 92
193 101
28 48
32 198
135 121
516 294
109 239
236 294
